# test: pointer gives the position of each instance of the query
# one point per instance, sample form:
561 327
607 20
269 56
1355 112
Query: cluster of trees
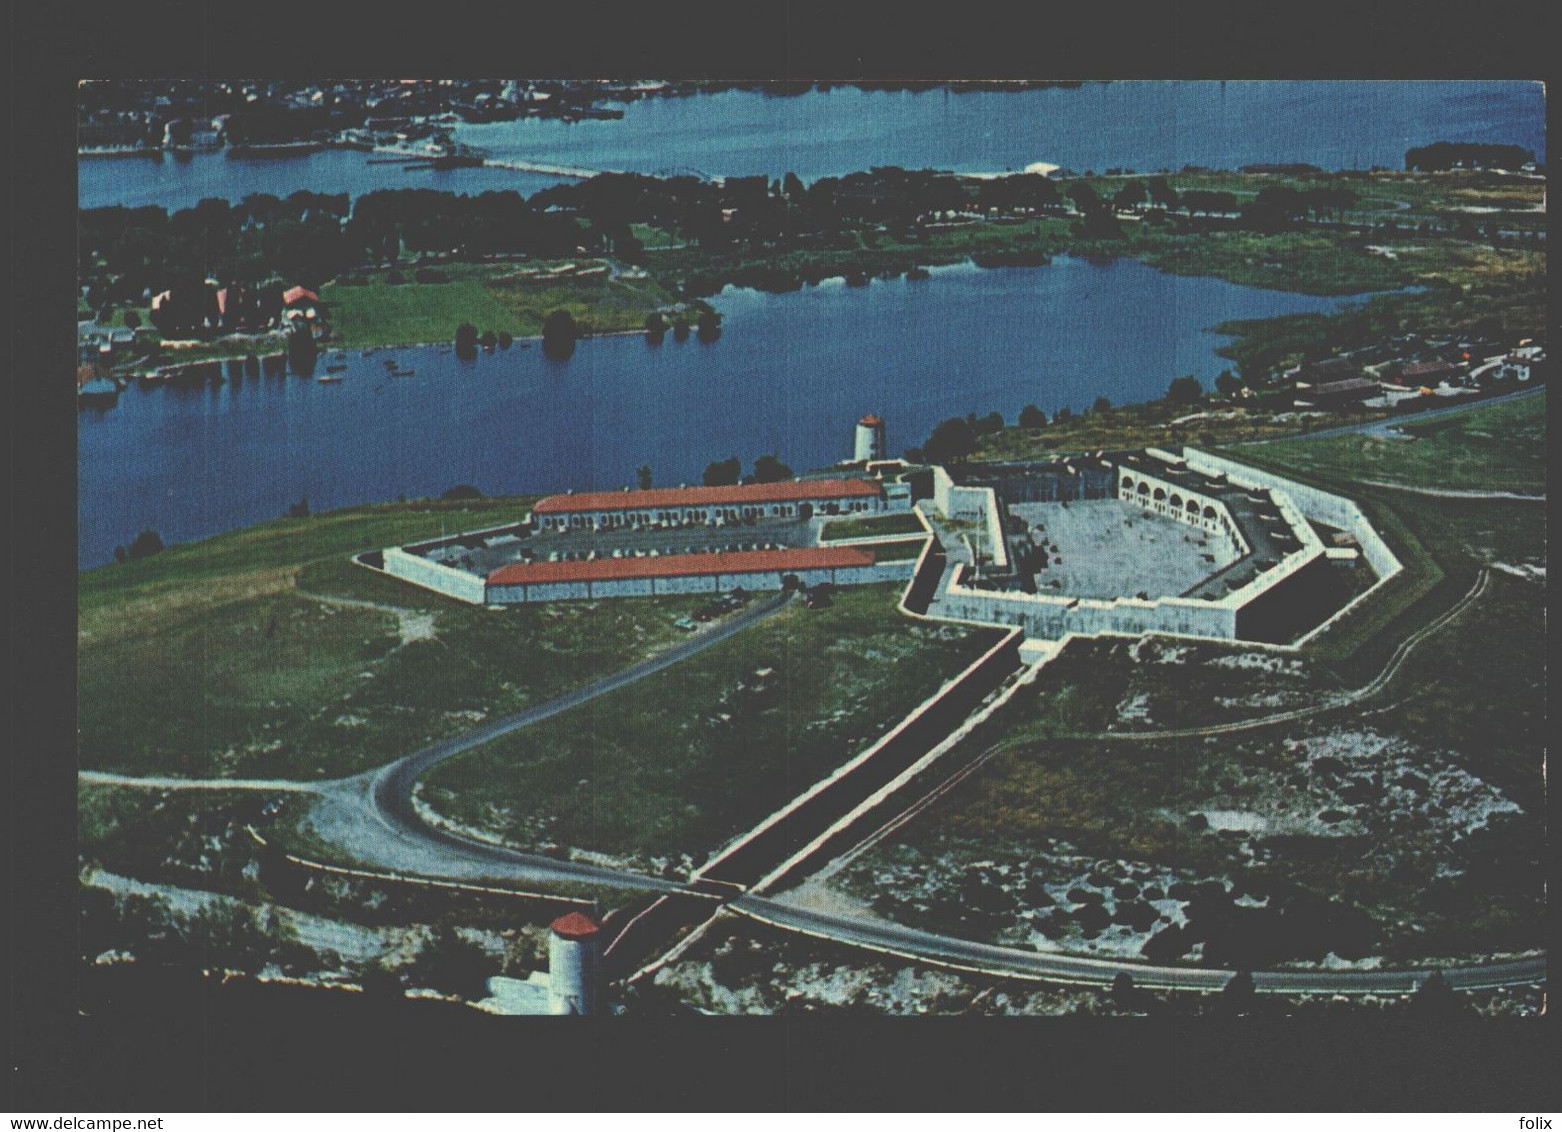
724 473
1466 155
125 254
468 340
756 213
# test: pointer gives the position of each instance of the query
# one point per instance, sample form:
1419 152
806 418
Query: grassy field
1314 263
1144 425
1491 448
866 528
211 660
680 762
493 297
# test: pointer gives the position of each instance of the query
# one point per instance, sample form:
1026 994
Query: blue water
1142 125
790 374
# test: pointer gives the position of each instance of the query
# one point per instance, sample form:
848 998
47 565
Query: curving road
389 793
989 959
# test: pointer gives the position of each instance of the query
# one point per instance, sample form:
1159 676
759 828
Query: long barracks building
603 510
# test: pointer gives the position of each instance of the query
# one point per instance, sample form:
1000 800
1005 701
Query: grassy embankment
865 528
681 761
497 297
213 659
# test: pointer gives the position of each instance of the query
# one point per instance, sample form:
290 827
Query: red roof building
682 565
299 294
871 421
576 925
737 495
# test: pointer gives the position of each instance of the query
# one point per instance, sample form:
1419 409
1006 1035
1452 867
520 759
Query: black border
342 1058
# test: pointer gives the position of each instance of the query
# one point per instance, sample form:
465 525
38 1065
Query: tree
723 473
132 320
708 326
1185 391
466 340
990 424
950 443
558 334
1227 384
146 544
299 510
770 469
120 554
655 328
644 476
1063 415
451 964
1434 998
462 491
1032 417
1101 405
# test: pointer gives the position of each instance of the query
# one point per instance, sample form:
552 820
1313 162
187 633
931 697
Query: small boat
329 377
403 372
336 367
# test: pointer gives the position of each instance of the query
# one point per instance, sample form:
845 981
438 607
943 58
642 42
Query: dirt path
271 785
411 624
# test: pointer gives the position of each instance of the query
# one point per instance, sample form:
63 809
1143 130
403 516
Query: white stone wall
1326 507
441 579
1051 617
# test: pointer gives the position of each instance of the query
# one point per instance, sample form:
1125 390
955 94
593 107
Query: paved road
910 943
1383 426
1458 493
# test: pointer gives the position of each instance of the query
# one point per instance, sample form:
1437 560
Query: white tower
574 964
870 439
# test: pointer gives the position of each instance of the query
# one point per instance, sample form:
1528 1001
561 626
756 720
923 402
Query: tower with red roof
870 439
574 964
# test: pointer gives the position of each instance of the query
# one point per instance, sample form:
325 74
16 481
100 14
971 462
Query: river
790 374
1143 125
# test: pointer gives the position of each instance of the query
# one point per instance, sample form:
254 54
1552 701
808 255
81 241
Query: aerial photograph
664 547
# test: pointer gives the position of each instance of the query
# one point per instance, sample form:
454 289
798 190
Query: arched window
1210 513
1176 500
1160 494
1144 489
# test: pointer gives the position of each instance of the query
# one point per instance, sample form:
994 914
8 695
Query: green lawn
491 297
210 660
898 551
682 761
876 525
1492 448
